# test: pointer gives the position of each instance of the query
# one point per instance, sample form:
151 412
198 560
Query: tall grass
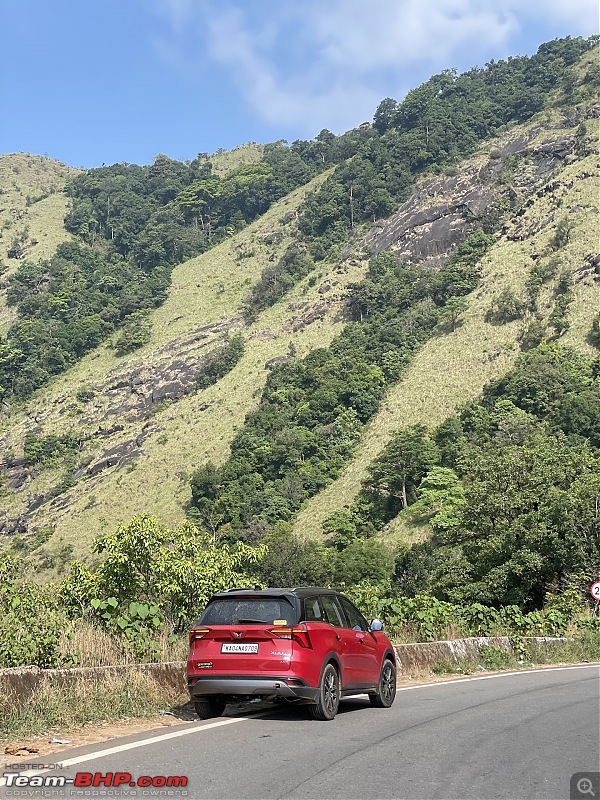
88 645
60 708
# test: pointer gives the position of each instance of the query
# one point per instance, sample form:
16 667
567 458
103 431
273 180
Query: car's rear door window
313 611
356 621
249 611
333 612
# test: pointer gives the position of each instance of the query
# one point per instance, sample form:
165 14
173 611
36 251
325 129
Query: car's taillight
299 634
198 633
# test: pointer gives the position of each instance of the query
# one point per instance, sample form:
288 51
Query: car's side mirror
376 625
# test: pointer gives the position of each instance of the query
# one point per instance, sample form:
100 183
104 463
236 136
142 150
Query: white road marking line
495 675
151 740
132 745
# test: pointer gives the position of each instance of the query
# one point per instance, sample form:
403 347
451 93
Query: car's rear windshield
249 611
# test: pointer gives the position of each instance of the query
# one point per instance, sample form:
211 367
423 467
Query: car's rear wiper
251 621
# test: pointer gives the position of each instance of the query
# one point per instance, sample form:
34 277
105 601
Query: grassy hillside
452 368
125 433
223 161
204 300
32 211
158 445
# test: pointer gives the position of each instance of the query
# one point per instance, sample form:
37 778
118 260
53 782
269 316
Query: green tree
505 308
384 114
292 562
364 560
175 569
406 459
441 499
594 335
453 310
524 523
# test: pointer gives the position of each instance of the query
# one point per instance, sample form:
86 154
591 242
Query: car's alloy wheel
329 695
386 689
210 707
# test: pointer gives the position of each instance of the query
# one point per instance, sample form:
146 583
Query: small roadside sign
595 590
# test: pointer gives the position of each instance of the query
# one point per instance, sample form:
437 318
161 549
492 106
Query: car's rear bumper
248 686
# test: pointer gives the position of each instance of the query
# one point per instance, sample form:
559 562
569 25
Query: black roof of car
297 591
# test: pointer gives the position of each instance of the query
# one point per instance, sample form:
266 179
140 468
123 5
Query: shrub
135 334
45 450
221 361
449 666
505 308
493 657
84 393
32 621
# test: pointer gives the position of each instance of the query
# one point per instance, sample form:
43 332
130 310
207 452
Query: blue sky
101 81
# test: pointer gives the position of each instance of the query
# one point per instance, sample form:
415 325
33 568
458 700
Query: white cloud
316 63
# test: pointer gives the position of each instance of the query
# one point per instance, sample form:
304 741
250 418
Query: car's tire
210 707
328 700
386 688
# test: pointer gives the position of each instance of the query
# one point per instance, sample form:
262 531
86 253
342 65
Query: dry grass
448 371
227 160
199 427
91 646
58 707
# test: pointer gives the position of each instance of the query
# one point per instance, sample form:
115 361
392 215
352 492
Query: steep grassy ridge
178 434
143 427
452 368
32 212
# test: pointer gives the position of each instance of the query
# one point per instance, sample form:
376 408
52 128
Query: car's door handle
338 637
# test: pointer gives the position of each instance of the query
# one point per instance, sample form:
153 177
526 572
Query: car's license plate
239 648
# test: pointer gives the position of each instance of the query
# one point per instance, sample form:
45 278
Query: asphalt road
509 736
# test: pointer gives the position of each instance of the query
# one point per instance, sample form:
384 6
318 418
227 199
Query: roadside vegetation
61 708
524 654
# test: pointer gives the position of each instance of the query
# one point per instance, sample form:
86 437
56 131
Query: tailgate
239 650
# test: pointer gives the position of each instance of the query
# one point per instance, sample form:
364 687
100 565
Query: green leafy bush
506 308
493 657
277 279
221 361
32 620
45 450
137 622
134 334
144 562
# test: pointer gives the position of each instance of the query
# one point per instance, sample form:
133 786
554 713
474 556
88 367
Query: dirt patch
31 748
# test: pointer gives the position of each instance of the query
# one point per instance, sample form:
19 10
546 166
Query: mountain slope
145 426
116 436
32 211
452 369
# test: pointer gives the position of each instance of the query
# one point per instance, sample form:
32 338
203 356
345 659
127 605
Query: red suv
308 645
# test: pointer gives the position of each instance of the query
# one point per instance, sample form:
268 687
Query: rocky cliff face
446 209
